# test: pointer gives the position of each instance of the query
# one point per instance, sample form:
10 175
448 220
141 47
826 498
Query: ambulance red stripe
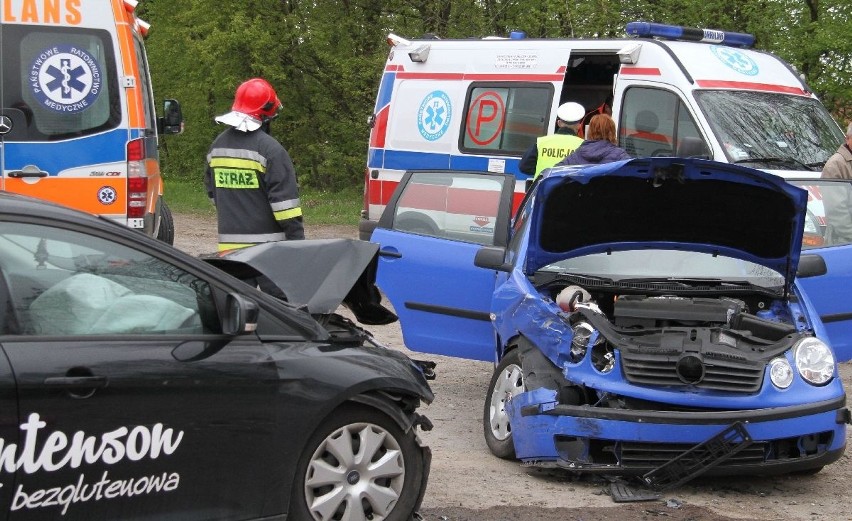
478 77
746 85
641 71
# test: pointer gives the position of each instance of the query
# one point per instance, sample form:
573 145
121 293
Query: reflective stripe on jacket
252 182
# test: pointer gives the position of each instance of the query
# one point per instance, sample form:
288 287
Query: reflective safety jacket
552 148
251 180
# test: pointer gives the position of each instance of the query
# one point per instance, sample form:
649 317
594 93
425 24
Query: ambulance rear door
63 135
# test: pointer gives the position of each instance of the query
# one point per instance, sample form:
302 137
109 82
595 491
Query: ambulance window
145 84
656 122
59 83
505 118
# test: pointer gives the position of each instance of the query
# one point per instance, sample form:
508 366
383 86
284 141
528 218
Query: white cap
239 121
570 112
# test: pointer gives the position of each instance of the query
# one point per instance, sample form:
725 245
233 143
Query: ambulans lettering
58 451
42 11
434 115
232 178
735 59
65 78
82 491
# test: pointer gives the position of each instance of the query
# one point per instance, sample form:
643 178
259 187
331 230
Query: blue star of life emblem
65 78
434 114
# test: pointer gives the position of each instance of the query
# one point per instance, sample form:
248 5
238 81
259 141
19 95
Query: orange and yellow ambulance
78 125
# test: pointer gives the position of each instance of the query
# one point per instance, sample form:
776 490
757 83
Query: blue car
656 317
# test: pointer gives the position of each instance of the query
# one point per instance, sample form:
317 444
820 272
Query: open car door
825 267
429 233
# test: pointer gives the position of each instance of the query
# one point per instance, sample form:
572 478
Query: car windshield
770 130
665 265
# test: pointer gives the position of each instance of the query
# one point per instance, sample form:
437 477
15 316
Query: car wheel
358 465
508 381
166 232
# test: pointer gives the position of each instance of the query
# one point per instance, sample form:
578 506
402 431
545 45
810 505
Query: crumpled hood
685 204
316 275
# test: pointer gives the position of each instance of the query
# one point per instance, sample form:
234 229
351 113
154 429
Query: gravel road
467 483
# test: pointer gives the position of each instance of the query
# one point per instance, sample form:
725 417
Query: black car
137 382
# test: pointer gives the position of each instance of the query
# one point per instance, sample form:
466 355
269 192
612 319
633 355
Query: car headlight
781 373
580 343
814 360
587 338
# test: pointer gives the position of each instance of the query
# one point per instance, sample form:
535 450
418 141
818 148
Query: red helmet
257 98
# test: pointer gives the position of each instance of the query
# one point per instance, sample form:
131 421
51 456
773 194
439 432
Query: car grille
719 373
653 455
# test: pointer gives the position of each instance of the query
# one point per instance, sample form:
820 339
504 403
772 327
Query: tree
326 57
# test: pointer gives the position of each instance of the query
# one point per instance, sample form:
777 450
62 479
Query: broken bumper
621 441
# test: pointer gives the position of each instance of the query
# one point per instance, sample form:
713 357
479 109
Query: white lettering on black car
113 447
58 451
106 488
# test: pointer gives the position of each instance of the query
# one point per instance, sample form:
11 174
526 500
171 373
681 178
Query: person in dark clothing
250 177
600 145
548 150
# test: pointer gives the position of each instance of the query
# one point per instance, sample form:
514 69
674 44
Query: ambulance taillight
137 179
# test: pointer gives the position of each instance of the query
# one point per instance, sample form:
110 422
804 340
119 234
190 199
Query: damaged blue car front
644 319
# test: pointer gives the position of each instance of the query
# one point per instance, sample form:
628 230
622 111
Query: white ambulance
479 104
78 124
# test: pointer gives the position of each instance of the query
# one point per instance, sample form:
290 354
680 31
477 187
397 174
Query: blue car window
450 205
61 282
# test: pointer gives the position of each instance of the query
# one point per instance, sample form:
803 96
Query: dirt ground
467 483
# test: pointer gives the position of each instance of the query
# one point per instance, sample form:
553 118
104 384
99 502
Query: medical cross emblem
66 78
433 117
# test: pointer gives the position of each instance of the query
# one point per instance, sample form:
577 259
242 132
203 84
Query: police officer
250 177
549 150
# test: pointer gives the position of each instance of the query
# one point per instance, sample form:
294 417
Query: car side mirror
172 120
240 315
492 258
811 265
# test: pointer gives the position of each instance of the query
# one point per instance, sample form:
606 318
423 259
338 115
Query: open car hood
315 275
684 204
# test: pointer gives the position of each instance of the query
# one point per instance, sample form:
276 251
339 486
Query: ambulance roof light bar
676 32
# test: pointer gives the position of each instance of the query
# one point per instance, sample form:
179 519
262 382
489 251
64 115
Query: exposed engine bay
719 343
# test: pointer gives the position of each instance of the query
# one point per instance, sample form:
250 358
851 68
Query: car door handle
388 253
77 382
28 171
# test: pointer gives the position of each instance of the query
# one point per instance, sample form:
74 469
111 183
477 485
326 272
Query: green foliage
325 58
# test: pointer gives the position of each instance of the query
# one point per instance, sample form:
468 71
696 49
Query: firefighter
549 150
250 177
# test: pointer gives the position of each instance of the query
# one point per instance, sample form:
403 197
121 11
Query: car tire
348 481
508 380
166 232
